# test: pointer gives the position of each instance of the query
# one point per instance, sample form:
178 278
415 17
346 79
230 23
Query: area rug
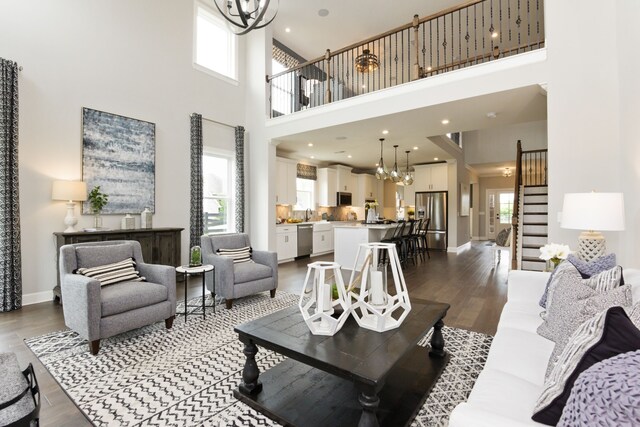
186 376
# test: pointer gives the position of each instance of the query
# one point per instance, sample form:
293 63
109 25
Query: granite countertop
367 226
335 223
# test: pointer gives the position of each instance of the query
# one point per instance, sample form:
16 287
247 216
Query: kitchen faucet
307 215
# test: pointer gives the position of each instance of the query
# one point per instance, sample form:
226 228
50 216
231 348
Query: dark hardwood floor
468 281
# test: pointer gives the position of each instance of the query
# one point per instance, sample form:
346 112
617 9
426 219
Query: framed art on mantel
118 154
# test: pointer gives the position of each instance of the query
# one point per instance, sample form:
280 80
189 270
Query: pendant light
395 173
381 171
246 15
408 179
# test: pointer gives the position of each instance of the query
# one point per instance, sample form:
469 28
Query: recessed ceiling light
364 86
491 115
349 156
435 158
377 164
287 30
445 122
429 68
310 144
415 148
313 157
323 12
494 34
340 138
384 132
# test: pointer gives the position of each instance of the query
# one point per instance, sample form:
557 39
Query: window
304 194
506 208
218 177
281 90
215 45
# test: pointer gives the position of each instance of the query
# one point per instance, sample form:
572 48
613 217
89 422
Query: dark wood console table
159 245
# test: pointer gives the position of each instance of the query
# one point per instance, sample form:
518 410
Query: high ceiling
347 22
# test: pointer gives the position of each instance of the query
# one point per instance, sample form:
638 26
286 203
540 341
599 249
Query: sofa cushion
92 256
565 268
606 394
126 296
248 272
593 267
599 338
123 271
606 280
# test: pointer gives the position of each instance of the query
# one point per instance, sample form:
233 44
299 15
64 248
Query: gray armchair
239 280
97 312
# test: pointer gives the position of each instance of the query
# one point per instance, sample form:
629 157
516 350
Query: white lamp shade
593 211
69 190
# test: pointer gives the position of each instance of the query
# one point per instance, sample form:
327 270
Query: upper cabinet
410 194
327 186
286 172
430 178
367 188
346 180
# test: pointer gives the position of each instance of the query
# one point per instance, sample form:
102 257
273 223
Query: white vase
371 216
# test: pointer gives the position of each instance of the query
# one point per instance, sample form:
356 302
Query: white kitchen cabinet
327 186
322 238
346 180
287 242
367 188
431 177
410 195
286 173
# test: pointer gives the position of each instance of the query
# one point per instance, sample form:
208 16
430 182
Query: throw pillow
239 256
606 280
557 275
503 237
123 271
599 338
593 267
606 394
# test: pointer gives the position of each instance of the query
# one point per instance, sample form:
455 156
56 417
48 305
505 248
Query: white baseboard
460 248
37 297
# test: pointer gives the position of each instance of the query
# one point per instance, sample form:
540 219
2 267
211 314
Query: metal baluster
452 44
460 38
518 22
500 21
509 20
430 45
396 57
401 57
528 25
424 47
483 42
438 44
475 33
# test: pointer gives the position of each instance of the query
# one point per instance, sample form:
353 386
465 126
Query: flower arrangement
371 205
554 253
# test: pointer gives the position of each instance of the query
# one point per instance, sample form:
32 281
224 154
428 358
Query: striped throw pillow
123 271
239 256
606 280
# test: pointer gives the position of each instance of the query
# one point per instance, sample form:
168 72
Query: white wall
584 108
124 57
499 144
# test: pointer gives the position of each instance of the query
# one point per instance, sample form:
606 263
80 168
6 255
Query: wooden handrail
541 150
516 207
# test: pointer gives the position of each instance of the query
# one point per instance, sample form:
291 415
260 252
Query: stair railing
515 218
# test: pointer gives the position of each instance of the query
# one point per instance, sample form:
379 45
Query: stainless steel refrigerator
433 204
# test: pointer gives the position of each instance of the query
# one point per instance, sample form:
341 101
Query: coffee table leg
369 403
437 341
250 383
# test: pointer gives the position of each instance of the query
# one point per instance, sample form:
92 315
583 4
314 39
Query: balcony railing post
327 95
416 50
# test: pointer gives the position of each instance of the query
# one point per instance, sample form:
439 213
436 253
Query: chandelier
246 15
381 171
407 179
506 173
395 174
366 62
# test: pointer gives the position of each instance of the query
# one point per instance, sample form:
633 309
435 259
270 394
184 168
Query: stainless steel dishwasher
305 239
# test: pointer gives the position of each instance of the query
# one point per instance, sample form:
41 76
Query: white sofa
513 377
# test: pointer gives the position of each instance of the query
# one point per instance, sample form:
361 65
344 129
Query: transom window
215 45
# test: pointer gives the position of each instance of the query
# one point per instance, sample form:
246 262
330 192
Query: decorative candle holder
321 309
375 307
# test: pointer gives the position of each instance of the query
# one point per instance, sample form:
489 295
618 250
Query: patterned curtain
10 263
197 213
240 179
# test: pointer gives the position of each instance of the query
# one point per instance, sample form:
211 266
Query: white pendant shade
593 211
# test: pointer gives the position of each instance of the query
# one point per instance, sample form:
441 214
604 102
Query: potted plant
411 213
554 253
97 200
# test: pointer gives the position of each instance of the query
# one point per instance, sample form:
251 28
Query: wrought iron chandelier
366 62
246 15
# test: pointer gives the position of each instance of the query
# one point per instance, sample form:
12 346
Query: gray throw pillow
556 276
593 267
503 237
571 304
606 394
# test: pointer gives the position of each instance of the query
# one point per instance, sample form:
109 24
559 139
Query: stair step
530 247
530 252
535 209
535 203
534 235
534 240
535 186
533 266
533 259
533 198
534 223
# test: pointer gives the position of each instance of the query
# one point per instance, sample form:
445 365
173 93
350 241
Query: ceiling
411 129
347 22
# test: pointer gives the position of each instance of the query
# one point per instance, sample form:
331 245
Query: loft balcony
473 33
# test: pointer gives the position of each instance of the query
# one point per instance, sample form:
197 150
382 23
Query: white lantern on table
318 305
377 306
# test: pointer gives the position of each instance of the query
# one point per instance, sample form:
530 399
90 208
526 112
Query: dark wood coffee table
356 377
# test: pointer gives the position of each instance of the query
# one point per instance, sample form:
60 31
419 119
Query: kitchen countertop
317 222
367 226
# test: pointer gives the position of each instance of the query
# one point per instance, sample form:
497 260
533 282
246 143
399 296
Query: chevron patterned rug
186 376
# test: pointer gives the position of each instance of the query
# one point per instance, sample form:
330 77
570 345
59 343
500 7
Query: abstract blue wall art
118 154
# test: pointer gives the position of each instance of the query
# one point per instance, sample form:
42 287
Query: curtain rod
215 121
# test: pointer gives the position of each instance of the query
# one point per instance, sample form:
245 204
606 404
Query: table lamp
592 212
71 191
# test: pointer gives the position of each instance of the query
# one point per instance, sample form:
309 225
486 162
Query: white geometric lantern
318 309
377 307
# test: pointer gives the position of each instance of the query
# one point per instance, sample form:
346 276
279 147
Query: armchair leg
273 293
229 303
94 347
169 322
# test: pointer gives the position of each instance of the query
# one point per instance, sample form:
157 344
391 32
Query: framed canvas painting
465 199
118 154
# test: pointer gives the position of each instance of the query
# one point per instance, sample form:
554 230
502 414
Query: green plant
97 199
411 212
196 256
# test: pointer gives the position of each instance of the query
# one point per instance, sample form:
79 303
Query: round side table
202 269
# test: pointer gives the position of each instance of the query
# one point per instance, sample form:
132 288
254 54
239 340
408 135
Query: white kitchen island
347 239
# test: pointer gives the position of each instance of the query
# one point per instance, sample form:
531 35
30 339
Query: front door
499 211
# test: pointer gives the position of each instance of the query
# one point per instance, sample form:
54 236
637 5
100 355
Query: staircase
530 221
534 221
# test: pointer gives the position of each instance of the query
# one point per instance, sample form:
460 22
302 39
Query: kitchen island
347 239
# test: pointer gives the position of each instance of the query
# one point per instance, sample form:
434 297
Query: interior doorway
499 211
